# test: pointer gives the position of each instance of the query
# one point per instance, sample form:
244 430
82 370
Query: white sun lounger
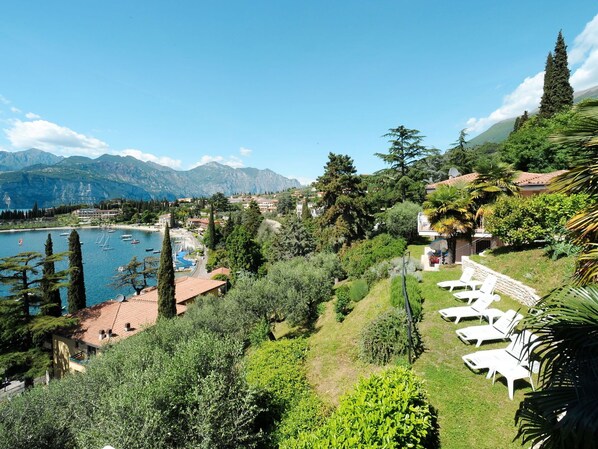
474 310
487 288
512 362
466 280
500 330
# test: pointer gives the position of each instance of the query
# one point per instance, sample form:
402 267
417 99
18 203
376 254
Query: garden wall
515 289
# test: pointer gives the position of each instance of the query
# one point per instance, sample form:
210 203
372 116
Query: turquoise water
99 265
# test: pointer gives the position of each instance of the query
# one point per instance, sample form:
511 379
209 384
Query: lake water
99 265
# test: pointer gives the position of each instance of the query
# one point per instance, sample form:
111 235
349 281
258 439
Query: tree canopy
345 218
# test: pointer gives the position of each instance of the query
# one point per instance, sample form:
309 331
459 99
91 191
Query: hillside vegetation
530 266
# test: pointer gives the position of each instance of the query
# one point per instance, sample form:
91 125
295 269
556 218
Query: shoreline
190 241
68 228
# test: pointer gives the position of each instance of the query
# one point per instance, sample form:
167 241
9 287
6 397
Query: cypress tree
547 107
76 290
211 237
558 93
51 303
563 92
172 219
166 288
305 212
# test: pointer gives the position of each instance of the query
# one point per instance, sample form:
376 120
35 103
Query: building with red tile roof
529 184
221 270
113 320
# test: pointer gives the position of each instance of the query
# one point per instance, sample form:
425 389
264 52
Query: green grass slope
531 266
472 412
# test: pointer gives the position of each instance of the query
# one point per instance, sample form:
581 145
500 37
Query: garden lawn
333 367
473 413
531 266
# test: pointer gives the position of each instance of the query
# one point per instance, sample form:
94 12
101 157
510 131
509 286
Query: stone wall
504 284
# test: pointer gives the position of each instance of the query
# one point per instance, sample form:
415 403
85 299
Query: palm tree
494 179
583 178
564 413
449 210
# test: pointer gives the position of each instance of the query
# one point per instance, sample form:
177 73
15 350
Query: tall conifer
547 107
305 212
212 239
51 303
563 92
76 291
558 92
166 287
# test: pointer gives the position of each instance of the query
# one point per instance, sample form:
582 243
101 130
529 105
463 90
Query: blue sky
274 84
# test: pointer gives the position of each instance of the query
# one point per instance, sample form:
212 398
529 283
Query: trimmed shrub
277 369
341 306
364 254
388 410
385 338
358 290
413 292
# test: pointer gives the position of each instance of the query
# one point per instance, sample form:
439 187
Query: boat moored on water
134 242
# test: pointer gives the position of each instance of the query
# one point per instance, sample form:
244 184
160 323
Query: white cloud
32 116
49 136
4 100
245 152
585 53
15 110
303 180
231 161
147 157
525 97
583 58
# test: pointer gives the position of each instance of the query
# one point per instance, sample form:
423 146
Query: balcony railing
424 228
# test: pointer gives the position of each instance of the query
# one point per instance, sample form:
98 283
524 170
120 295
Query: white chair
512 373
500 330
511 362
487 288
474 310
466 280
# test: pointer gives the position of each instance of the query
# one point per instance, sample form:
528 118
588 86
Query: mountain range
34 175
501 130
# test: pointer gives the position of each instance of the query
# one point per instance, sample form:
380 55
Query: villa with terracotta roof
221 270
113 320
529 184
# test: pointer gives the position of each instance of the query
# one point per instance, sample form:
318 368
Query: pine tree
166 287
76 290
51 302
